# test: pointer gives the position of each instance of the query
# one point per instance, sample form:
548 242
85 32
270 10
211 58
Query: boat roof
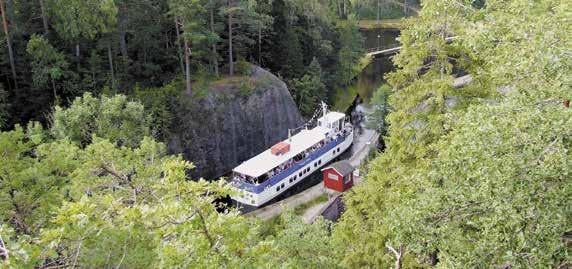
266 161
333 116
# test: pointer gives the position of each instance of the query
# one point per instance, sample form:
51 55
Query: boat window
300 174
262 178
282 186
295 177
278 188
315 164
320 162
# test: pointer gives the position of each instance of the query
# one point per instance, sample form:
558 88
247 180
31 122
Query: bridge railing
397 45
384 47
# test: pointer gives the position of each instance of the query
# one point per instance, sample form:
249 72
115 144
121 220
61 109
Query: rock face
236 119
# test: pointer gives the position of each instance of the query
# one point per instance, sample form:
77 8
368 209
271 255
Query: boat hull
254 198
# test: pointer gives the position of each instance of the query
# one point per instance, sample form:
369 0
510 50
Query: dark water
380 37
371 78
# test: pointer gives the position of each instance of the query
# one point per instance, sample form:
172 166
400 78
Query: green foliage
160 104
75 19
482 184
48 64
380 103
4 108
243 68
116 118
298 245
34 172
309 90
350 53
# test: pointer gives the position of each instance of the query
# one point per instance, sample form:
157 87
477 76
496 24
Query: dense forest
478 176
56 50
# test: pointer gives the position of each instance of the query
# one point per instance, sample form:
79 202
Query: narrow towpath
363 142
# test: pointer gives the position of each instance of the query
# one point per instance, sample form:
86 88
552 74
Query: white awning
266 161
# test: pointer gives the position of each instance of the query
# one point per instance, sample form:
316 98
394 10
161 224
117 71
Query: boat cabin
332 120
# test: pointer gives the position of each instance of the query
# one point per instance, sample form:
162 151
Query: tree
48 64
299 245
189 17
76 19
32 186
350 51
117 119
8 41
309 90
380 103
242 14
479 183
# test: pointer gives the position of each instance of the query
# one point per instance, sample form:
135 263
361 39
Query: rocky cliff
235 119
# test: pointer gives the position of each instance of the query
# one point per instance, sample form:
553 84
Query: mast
325 111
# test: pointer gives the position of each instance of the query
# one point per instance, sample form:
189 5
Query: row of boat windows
292 179
303 172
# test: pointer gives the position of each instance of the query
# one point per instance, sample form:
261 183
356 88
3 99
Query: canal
372 76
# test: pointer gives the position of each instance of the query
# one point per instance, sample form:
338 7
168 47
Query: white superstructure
272 172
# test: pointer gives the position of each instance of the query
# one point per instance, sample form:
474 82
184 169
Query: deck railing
287 172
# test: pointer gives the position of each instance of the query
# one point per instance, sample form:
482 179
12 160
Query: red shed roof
343 168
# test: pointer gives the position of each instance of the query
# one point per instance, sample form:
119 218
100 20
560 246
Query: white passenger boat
270 173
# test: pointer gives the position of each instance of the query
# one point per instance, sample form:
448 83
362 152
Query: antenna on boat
289 135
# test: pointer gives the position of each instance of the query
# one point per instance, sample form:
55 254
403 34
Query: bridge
391 49
383 50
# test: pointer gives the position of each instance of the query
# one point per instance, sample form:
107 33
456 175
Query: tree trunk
230 60
77 54
54 90
8 42
398 255
123 37
188 67
260 44
111 69
178 33
123 47
44 17
405 7
215 60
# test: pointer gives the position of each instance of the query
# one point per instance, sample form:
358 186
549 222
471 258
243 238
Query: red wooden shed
338 176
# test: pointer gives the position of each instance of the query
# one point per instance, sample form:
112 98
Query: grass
272 226
301 209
